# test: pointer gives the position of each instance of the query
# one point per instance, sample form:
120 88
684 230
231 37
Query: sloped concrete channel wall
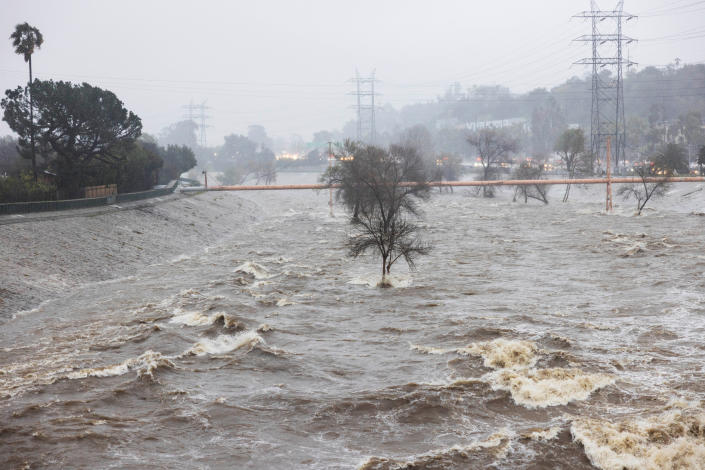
43 206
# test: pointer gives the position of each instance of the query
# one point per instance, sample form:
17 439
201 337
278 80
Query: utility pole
330 165
607 114
365 106
197 112
608 202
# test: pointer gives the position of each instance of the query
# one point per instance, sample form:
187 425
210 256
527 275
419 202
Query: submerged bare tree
570 146
671 159
447 168
380 188
533 191
643 191
494 147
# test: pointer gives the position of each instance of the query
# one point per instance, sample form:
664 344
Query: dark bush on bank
23 188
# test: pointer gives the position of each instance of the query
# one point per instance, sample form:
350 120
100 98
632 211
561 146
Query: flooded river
532 337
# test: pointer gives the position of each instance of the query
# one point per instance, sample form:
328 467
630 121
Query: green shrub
25 189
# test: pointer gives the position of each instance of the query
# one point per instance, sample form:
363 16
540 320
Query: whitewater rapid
532 337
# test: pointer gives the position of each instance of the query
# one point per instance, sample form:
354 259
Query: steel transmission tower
607 116
365 95
197 113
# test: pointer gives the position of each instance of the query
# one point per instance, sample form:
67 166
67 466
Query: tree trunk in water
571 175
31 122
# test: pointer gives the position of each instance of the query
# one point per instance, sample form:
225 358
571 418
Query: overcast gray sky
285 64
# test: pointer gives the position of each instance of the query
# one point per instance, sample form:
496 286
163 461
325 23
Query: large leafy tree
241 157
25 39
177 159
77 124
671 158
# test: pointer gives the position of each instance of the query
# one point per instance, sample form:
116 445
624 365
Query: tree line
662 105
76 135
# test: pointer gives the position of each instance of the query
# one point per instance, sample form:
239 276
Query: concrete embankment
46 256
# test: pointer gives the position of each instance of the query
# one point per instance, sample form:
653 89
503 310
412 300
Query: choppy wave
497 445
225 343
201 319
429 349
542 434
514 361
504 354
637 249
145 364
257 270
179 258
539 388
673 440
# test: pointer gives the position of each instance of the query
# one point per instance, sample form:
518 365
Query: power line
672 10
607 110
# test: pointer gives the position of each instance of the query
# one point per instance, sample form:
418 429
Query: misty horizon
289 68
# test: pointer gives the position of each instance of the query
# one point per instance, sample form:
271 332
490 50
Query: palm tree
25 39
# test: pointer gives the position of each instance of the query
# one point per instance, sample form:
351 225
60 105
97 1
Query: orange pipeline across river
655 179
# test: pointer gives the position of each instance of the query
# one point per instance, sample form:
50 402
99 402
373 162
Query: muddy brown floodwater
532 337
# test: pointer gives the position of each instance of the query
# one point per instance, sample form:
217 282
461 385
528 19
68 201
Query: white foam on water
257 270
542 434
514 361
179 258
540 388
283 302
429 349
373 280
498 444
672 440
225 343
192 319
145 364
201 319
501 353
636 249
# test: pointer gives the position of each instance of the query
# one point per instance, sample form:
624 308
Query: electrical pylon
607 115
197 113
365 106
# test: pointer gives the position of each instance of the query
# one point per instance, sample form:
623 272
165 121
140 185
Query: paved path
90 211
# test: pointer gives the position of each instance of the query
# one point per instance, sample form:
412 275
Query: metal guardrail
44 206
